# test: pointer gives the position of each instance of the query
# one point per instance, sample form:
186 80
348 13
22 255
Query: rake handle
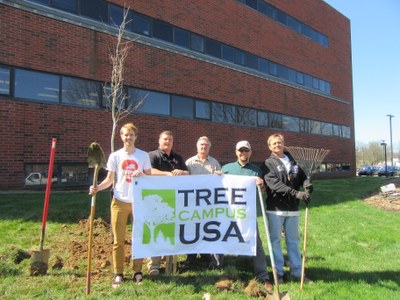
303 264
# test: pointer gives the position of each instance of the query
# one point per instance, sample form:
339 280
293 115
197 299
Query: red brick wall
39 43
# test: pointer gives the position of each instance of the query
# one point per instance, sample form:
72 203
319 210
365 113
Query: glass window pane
281 17
197 43
300 78
273 68
162 30
315 127
262 7
246 116
67 5
294 24
4 81
275 120
304 125
141 24
262 118
213 48
283 72
290 123
95 9
346 132
149 102
45 2
80 92
251 61
74 174
252 3
36 174
223 113
308 81
181 107
203 110
326 128
337 130
292 75
239 57
36 86
182 37
116 15
315 83
263 65
228 53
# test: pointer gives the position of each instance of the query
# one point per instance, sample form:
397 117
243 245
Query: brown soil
389 201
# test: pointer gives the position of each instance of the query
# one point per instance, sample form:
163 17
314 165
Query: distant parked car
391 171
367 171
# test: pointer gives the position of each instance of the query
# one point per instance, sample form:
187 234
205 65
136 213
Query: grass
352 250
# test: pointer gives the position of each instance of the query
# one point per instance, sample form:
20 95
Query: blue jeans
292 238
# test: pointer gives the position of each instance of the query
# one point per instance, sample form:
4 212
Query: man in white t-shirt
122 166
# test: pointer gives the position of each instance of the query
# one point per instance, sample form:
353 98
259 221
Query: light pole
391 142
384 149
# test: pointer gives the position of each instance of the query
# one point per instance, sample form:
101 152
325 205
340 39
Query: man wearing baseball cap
243 166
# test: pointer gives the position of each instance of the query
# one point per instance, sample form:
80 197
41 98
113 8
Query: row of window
287 20
45 87
102 11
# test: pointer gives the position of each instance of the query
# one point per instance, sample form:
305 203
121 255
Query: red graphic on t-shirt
128 166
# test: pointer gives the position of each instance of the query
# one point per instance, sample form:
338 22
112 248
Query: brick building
227 69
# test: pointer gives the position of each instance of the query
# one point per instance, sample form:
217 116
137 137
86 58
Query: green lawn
352 250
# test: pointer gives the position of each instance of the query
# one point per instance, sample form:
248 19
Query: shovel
96 160
271 253
40 258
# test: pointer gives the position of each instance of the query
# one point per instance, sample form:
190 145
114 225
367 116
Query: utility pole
391 142
384 149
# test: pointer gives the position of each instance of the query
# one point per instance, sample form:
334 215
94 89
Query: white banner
194 214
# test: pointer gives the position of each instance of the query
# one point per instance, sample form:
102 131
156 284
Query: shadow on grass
369 277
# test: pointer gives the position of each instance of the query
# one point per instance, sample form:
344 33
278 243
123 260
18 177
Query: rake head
309 159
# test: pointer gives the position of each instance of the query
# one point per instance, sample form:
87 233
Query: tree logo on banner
159 216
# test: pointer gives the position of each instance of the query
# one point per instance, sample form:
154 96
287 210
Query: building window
149 102
203 110
228 53
275 120
326 129
213 48
290 123
246 116
262 118
304 125
80 92
116 15
63 174
141 24
223 113
4 81
162 30
182 38
315 127
94 9
196 43
70 6
36 86
239 57
181 107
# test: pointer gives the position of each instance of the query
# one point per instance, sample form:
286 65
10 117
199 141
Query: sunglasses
244 150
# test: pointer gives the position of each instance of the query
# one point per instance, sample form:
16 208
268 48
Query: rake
309 160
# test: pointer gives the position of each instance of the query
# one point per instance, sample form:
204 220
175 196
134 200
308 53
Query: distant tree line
373 154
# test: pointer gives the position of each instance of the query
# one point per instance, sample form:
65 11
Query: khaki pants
120 212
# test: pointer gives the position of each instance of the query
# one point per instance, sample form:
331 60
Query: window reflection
80 92
36 86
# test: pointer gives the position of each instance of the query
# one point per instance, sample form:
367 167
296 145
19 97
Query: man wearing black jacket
284 179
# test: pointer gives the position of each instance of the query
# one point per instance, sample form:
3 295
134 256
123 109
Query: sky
375 38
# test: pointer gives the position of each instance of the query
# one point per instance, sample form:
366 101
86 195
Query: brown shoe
268 285
138 278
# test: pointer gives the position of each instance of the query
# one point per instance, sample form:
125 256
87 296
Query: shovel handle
91 222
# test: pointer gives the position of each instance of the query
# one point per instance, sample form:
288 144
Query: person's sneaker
154 272
268 285
138 278
117 281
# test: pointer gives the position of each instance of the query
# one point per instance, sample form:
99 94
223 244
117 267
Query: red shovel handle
48 189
